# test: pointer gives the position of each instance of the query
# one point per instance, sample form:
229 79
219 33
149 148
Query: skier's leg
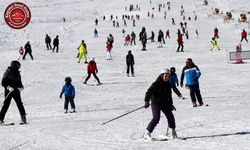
24 54
178 48
85 58
30 53
47 45
128 66
80 57
66 103
169 115
192 95
89 74
198 94
96 78
156 117
6 105
132 69
72 103
19 103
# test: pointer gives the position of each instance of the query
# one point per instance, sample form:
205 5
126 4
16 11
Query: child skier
214 44
173 80
20 52
69 93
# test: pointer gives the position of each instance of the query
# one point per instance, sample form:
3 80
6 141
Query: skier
243 35
159 39
143 38
187 35
20 52
109 48
82 51
56 44
127 40
216 33
162 36
180 43
130 63
92 69
111 39
167 34
192 74
197 33
133 36
161 100
152 36
214 44
28 50
96 22
95 33
173 80
47 42
69 92
173 22
238 54
13 86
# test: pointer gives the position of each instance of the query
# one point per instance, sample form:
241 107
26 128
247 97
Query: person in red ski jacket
127 40
20 52
92 69
243 35
180 43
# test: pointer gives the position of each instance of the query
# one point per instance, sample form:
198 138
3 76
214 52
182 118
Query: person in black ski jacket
160 95
28 50
56 43
130 63
143 38
12 84
47 42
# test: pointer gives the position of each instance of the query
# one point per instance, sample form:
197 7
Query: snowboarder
161 100
69 92
47 42
56 44
180 43
130 63
214 44
243 35
13 86
20 52
82 51
192 74
92 69
28 50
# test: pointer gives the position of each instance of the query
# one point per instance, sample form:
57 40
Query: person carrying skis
13 87
69 92
243 35
130 63
82 50
192 74
20 52
160 95
92 69
56 44
28 50
214 44
47 42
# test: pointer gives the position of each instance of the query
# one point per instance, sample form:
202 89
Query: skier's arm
63 90
176 91
5 80
73 91
182 77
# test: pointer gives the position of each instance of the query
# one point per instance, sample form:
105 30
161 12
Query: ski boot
174 134
147 135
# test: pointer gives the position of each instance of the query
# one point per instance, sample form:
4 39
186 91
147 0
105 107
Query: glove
173 108
20 89
60 96
146 105
11 89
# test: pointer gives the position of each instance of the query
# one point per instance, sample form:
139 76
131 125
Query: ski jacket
92 68
68 90
173 80
127 38
109 46
160 92
47 39
12 78
214 42
130 59
191 74
179 39
82 49
21 51
27 47
244 34
56 42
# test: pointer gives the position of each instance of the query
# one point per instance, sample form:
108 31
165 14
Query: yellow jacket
82 49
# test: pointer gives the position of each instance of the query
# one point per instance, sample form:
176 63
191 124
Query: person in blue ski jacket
192 73
173 80
69 92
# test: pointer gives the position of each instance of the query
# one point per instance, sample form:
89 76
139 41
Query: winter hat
93 58
15 64
165 70
68 79
172 69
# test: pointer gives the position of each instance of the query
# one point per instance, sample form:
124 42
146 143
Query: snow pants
17 97
89 74
156 111
27 52
67 101
132 68
195 93
80 57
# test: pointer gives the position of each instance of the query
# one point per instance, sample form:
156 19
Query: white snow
223 125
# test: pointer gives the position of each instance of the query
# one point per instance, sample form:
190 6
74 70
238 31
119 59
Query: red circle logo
17 15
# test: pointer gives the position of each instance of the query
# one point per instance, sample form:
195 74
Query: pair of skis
11 124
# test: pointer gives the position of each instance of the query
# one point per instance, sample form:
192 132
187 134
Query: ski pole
7 96
124 69
122 115
84 77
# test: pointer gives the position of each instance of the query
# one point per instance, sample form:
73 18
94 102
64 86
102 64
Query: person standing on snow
92 69
56 44
192 74
214 44
173 80
109 48
69 92
243 35
180 43
82 52
130 63
20 52
28 50
95 33
143 38
133 36
47 42
13 86
216 33
160 95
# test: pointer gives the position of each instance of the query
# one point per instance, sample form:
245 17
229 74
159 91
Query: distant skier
173 22
82 50
69 92
143 38
167 34
109 49
243 35
130 63
96 22
192 74
133 36
28 50
56 44
161 34
180 43
152 36
159 40
127 40
216 33
92 69
197 33
160 95
13 87
21 51
47 42
214 44
173 80
95 33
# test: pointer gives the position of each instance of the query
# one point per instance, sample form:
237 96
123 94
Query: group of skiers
55 43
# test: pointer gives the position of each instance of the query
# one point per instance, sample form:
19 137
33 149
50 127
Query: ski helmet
68 79
165 70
